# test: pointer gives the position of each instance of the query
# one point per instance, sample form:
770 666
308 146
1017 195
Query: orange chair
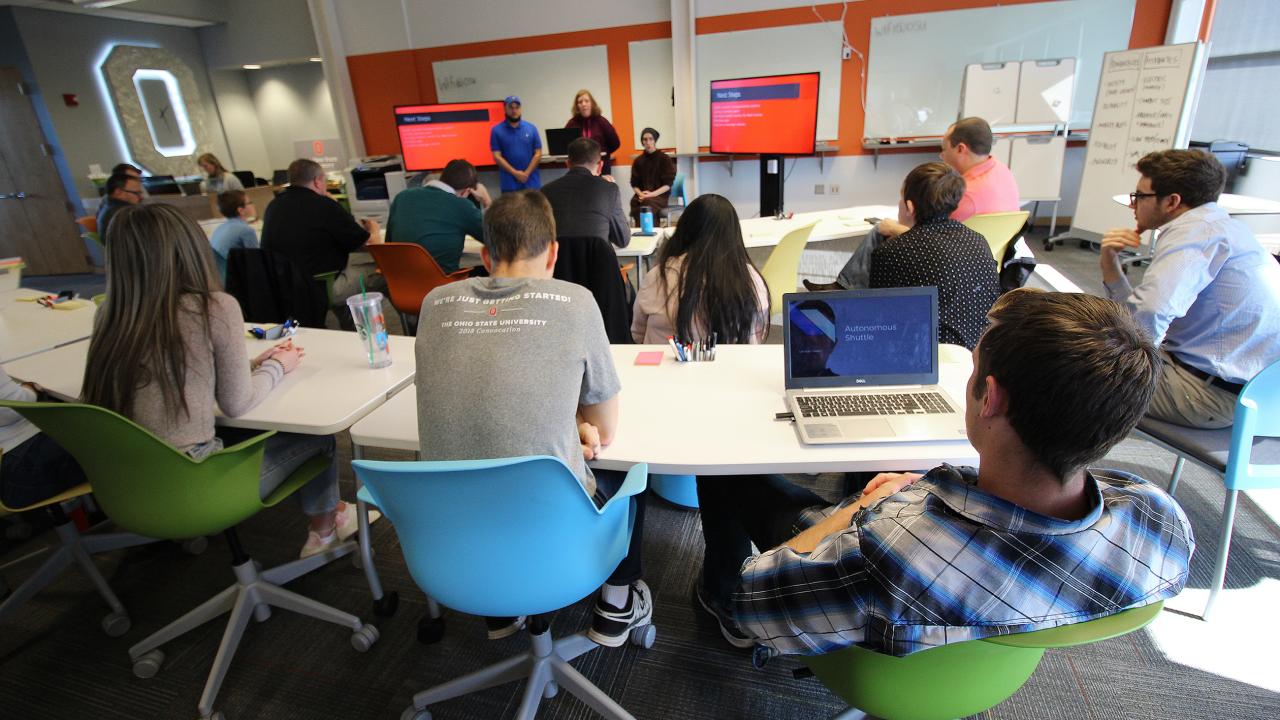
89 225
411 273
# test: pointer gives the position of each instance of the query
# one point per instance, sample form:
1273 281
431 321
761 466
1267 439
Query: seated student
587 204
704 260
1032 539
127 169
651 176
310 228
989 186
440 215
935 250
548 388
168 349
218 179
236 232
123 190
32 467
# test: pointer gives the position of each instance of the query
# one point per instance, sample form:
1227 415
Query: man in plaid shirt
1032 540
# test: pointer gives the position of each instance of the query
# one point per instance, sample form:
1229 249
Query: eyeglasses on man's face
1134 197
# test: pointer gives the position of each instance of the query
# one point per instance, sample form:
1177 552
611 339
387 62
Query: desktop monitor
773 115
432 135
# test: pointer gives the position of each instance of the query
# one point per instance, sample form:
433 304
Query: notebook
862 366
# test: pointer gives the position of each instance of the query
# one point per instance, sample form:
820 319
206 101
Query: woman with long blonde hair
586 115
218 179
168 349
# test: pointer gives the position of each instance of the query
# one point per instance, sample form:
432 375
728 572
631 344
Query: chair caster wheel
364 638
195 545
430 630
148 665
413 713
386 605
116 624
1048 246
644 636
549 690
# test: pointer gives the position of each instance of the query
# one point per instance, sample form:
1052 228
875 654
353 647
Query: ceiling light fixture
316 59
252 67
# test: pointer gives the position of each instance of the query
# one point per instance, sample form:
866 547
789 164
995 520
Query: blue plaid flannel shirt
943 562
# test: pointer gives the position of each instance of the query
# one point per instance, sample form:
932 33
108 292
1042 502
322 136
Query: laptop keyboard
893 404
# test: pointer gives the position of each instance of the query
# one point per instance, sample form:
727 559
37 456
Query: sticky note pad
649 357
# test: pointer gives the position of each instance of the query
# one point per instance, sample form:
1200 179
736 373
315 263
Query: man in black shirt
306 225
122 191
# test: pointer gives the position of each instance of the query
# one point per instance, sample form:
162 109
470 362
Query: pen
674 349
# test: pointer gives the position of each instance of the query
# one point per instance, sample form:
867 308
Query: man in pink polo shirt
989 187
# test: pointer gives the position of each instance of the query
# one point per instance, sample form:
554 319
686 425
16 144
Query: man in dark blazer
585 203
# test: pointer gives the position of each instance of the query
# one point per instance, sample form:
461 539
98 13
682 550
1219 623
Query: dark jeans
607 484
36 470
738 510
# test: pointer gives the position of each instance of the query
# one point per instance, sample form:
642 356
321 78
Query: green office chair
999 230
75 548
148 487
959 680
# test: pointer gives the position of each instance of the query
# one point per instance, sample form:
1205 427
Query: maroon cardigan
601 130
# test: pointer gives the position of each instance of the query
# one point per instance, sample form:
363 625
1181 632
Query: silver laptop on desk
862 366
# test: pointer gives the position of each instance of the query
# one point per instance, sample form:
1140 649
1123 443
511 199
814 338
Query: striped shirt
1211 295
943 562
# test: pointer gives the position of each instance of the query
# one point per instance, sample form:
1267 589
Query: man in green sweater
441 214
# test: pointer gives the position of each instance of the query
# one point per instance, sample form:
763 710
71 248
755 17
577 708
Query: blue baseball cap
512 99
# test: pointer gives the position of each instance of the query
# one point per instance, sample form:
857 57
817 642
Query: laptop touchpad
866 428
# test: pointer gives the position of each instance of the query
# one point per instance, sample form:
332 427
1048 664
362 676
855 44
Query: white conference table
712 418
331 389
28 328
1232 203
831 224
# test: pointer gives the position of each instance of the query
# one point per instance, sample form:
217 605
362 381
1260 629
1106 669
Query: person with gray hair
310 228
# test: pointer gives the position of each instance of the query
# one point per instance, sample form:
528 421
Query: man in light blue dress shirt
236 232
1211 296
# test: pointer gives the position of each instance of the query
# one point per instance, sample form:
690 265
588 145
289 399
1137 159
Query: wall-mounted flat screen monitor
432 135
774 115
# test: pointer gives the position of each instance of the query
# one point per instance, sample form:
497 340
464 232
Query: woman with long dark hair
705 283
168 348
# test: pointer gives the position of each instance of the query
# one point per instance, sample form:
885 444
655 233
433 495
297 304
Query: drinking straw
364 313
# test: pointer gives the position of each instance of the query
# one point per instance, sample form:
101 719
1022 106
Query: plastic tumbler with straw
366 311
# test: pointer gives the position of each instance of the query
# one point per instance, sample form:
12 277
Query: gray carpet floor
56 663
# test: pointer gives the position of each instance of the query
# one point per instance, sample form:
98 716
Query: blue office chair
677 200
1247 454
679 490
505 538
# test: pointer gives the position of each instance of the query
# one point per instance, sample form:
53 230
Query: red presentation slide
775 115
432 135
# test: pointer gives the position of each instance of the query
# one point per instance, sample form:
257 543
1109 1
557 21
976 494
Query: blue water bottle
646 220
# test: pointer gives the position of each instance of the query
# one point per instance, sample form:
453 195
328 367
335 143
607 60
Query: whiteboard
1045 89
1036 162
772 51
651 90
546 81
915 61
990 92
1146 100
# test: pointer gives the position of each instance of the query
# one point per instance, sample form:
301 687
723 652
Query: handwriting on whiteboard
900 27
449 82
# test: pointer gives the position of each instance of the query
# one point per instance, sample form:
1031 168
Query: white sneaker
344 527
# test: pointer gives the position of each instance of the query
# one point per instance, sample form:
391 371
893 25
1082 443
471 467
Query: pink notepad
649 357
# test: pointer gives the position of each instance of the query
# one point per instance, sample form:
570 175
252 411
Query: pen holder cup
366 310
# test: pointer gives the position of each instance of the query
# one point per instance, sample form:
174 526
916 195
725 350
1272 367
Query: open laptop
862 366
558 139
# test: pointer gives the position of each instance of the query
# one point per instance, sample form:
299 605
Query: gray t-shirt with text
502 366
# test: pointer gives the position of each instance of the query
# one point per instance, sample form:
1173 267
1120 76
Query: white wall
292 103
248 150
260 32
66 50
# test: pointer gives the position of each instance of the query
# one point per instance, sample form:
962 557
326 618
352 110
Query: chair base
252 596
545 665
77 548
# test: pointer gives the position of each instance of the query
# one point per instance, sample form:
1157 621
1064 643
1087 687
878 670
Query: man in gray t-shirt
518 364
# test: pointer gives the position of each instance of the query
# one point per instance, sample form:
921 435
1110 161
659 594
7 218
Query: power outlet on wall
819 189
834 189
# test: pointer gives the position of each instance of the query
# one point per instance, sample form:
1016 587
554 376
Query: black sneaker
611 626
500 627
728 628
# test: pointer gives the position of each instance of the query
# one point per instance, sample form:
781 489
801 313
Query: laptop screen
861 337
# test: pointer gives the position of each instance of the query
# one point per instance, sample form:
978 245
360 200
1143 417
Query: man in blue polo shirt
517 148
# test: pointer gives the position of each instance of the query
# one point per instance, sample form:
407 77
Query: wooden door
36 220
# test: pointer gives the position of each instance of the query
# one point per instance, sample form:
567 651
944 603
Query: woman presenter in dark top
651 176
586 115
939 251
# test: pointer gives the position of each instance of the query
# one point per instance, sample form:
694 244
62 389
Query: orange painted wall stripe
381 80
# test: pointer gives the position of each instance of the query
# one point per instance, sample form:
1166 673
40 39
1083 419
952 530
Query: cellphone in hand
872 220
